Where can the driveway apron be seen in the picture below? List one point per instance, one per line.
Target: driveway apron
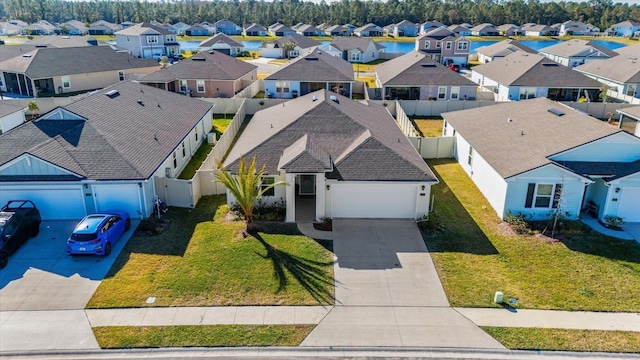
(388, 292)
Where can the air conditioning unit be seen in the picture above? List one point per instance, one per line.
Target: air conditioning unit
(168, 172)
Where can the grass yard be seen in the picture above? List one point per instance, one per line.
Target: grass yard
(126, 337)
(475, 256)
(196, 161)
(200, 259)
(368, 67)
(278, 62)
(429, 127)
(221, 123)
(369, 80)
(566, 340)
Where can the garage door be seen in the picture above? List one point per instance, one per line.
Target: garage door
(630, 205)
(224, 51)
(373, 200)
(118, 197)
(54, 203)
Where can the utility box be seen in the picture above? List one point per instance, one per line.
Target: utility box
(497, 298)
(211, 138)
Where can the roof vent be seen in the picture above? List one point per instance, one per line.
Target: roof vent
(199, 59)
(112, 93)
(311, 58)
(428, 65)
(26, 55)
(315, 98)
(509, 120)
(555, 112)
(549, 64)
(334, 99)
(65, 37)
(140, 102)
(40, 46)
(211, 52)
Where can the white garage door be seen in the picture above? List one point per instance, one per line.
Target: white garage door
(118, 197)
(54, 203)
(373, 200)
(630, 205)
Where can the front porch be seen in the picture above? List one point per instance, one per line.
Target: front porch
(305, 197)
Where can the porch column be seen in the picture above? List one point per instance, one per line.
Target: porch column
(291, 198)
(327, 86)
(320, 193)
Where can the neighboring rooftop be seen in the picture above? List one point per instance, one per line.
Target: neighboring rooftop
(315, 65)
(576, 47)
(415, 69)
(621, 68)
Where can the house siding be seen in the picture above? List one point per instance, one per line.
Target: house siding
(10, 121)
(98, 80)
(631, 182)
(619, 147)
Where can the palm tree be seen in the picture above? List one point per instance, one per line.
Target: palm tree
(34, 109)
(288, 47)
(246, 186)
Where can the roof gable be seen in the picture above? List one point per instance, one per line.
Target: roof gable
(414, 69)
(315, 65)
(621, 68)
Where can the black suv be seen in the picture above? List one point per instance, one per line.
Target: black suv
(19, 221)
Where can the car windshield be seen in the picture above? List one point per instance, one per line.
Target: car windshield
(90, 224)
(84, 236)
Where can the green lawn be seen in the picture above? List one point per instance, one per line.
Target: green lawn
(126, 337)
(475, 257)
(429, 127)
(196, 161)
(202, 260)
(221, 123)
(566, 340)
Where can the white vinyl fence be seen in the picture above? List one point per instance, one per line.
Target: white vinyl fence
(250, 91)
(434, 147)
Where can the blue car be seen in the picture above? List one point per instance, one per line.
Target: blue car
(97, 233)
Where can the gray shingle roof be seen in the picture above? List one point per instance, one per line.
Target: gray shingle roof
(315, 65)
(144, 28)
(301, 41)
(611, 170)
(414, 69)
(621, 68)
(629, 50)
(58, 41)
(368, 27)
(574, 47)
(74, 60)
(502, 144)
(220, 38)
(504, 48)
(120, 139)
(633, 111)
(206, 65)
(381, 152)
(350, 43)
(10, 51)
(524, 69)
(305, 156)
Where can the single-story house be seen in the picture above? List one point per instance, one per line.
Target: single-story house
(522, 76)
(309, 30)
(629, 120)
(335, 30)
(620, 73)
(10, 117)
(368, 30)
(571, 27)
(538, 30)
(102, 152)
(77, 69)
(72, 27)
(354, 49)
(227, 27)
(102, 27)
(42, 27)
(413, 76)
(7, 28)
(311, 71)
(278, 29)
(254, 30)
(485, 29)
(197, 30)
(460, 30)
(206, 74)
(576, 52)
(537, 157)
(508, 29)
(339, 157)
(222, 43)
(501, 49)
(182, 27)
(403, 28)
(626, 28)
(276, 49)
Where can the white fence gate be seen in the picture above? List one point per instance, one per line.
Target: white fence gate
(176, 192)
(434, 147)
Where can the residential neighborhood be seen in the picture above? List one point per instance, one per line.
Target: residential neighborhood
(369, 180)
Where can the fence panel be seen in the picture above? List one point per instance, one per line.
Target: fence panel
(434, 147)
(404, 122)
(251, 90)
(175, 192)
(208, 183)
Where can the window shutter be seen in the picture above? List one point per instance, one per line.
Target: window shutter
(530, 190)
(556, 196)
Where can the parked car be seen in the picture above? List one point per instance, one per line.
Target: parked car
(97, 233)
(454, 67)
(19, 221)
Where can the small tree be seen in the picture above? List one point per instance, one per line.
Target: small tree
(34, 109)
(164, 61)
(246, 186)
(288, 48)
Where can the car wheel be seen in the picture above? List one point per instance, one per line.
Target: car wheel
(107, 249)
(4, 259)
(127, 225)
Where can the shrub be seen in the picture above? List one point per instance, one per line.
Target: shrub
(263, 211)
(518, 223)
(151, 226)
(613, 221)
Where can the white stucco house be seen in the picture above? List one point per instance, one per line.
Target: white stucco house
(626, 28)
(575, 52)
(629, 120)
(354, 49)
(620, 73)
(102, 152)
(537, 156)
(10, 117)
(339, 157)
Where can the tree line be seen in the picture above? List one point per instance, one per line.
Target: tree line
(602, 13)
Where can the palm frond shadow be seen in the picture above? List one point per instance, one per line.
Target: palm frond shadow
(309, 273)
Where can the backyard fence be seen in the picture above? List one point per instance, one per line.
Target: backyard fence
(404, 122)
(597, 109)
(434, 147)
(251, 90)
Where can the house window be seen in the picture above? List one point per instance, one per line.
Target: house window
(266, 182)
(543, 196)
(184, 151)
(183, 85)
(455, 92)
(463, 45)
(196, 131)
(470, 158)
(282, 86)
(200, 86)
(152, 39)
(355, 57)
(438, 44)
(426, 44)
(631, 90)
(527, 93)
(175, 160)
(442, 92)
(66, 83)
(448, 46)
(121, 75)
(170, 38)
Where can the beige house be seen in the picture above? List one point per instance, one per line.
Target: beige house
(77, 69)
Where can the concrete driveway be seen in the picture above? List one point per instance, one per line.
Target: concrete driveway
(41, 277)
(388, 292)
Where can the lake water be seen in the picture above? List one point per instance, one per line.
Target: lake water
(405, 47)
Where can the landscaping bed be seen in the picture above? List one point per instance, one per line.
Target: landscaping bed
(475, 256)
(201, 259)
